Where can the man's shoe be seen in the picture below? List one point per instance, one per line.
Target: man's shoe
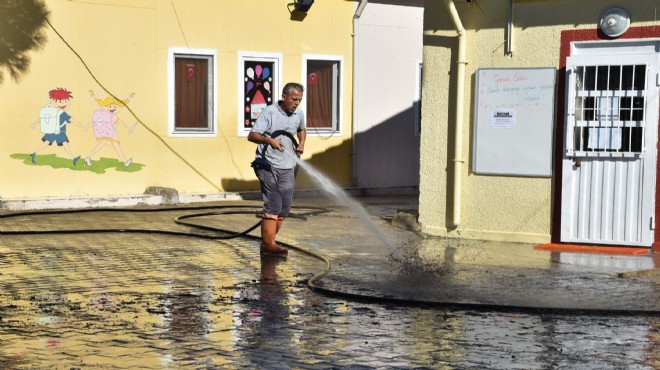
(75, 160)
(32, 157)
(273, 250)
(88, 161)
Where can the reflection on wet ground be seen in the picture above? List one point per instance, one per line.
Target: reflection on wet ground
(149, 301)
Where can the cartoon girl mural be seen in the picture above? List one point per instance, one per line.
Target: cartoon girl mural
(105, 121)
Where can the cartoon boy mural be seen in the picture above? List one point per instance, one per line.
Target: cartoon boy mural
(105, 121)
(53, 120)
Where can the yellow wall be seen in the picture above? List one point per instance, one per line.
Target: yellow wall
(492, 207)
(125, 44)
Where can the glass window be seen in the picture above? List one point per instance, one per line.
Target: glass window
(609, 108)
(192, 105)
(323, 94)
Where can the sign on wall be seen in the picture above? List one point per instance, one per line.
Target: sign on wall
(513, 121)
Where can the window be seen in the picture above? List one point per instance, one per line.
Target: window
(191, 92)
(609, 109)
(259, 80)
(322, 101)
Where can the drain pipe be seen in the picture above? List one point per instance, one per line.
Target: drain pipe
(458, 124)
(356, 58)
(509, 30)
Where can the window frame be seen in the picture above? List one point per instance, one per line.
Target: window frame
(211, 56)
(338, 128)
(417, 104)
(603, 124)
(276, 86)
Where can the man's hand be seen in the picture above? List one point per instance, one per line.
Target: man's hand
(300, 149)
(276, 144)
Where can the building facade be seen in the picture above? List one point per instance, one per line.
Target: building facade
(540, 121)
(163, 93)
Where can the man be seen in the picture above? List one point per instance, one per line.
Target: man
(275, 161)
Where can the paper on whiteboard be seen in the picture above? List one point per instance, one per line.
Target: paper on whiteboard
(503, 118)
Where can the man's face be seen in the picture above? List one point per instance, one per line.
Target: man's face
(291, 101)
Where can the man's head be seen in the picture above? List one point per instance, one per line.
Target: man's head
(292, 95)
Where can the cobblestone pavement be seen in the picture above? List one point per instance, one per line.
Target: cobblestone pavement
(152, 301)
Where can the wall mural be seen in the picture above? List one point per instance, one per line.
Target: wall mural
(105, 121)
(53, 121)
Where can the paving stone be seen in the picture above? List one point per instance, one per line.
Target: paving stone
(148, 301)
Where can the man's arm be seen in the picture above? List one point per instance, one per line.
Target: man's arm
(302, 136)
(258, 138)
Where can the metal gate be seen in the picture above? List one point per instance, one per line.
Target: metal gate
(609, 162)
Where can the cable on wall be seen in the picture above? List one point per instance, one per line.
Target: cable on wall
(185, 39)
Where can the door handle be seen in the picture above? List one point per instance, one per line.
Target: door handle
(578, 164)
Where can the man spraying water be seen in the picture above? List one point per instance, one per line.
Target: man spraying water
(275, 163)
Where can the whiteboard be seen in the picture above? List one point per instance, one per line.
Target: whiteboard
(514, 121)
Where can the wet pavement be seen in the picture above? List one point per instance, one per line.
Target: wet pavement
(125, 300)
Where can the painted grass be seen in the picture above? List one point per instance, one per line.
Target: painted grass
(98, 166)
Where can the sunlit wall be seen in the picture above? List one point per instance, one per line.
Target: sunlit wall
(124, 46)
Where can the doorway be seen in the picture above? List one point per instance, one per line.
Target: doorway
(610, 140)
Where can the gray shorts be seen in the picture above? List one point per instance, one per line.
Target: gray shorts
(277, 190)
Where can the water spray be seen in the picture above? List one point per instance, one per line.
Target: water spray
(334, 190)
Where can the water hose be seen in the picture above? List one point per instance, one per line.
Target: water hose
(216, 233)
(273, 135)
(312, 283)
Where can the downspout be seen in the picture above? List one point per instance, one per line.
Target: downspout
(509, 30)
(458, 124)
(356, 58)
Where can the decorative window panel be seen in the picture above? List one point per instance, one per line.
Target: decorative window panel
(258, 87)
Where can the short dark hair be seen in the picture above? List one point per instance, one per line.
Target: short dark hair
(292, 86)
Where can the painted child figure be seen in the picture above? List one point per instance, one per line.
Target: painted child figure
(105, 121)
(53, 120)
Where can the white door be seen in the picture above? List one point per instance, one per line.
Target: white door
(609, 163)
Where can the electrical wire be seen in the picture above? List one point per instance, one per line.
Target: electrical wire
(185, 39)
(319, 134)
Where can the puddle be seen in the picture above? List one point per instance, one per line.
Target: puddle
(156, 302)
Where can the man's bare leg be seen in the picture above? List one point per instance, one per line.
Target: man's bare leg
(269, 228)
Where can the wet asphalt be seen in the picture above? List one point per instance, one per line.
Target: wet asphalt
(146, 300)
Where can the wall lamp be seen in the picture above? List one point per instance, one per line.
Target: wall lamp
(300, 5)
(615, 22)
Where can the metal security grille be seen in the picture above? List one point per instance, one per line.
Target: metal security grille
(609, 108)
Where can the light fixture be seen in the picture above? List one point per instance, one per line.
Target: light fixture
(301, 5)
(615, 22)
